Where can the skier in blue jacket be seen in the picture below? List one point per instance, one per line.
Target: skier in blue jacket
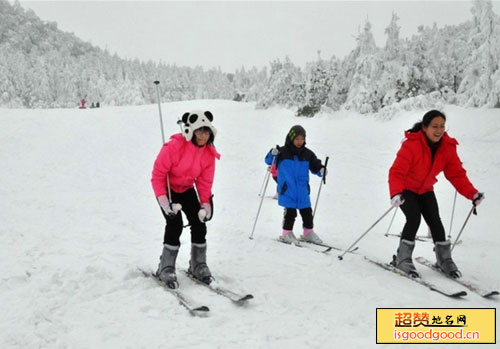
(294, 161)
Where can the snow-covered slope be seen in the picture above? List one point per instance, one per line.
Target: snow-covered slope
(78, 216)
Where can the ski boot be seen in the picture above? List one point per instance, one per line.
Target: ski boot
(288, 237)
(166, 268)
(310, 236)
(198, 264)
(403, 260)
(444, 261)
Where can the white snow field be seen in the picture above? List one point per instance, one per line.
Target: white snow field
(78, 217)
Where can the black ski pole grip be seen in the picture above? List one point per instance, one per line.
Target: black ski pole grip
(324, 175)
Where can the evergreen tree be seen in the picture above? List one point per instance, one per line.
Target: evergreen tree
(364, 95)
(392, 69)
(338, 85)
(318, 86)
(478, 87)
(285, 85)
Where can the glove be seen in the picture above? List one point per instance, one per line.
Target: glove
(323, 171)
(205, 213)
(170, 209)
(275, 151)
(397, 200)
(478, 198)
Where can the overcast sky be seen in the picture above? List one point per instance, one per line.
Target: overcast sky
(231, 34)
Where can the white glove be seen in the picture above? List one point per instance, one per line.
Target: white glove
(275, 151)
(205, 213)
(323, 171)
(478, 198)
(397, 200)
(169, 209)
(172, 209)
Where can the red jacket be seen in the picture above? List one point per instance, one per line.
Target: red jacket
(414, 169)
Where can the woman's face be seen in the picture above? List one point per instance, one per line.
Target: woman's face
(298, 141)
(202, 136)
(435, 130)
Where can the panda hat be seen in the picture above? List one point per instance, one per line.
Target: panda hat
(194, 120)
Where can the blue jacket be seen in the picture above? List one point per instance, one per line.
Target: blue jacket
(293, 166)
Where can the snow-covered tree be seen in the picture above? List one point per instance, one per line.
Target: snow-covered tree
(318, 85)
(338, 85)
(392, 69)
(364, 95)
(42, 66)
(478, 87)
(285, 85)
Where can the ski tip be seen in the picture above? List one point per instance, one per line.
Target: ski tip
(491, 294)
(202, 308)
(354, 249)
(245, 298)
(459, 294)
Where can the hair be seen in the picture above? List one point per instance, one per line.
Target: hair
(210, 139)
(426, 120)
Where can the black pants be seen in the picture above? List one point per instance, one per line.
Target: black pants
(190, 206)
(290, 214)
(417, 206)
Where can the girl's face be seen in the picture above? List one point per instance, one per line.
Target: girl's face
(435, 130)
(298, 142)
(202, 136)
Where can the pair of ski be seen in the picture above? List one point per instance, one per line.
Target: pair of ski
(304, 243)
(469, 285)
(189, 305)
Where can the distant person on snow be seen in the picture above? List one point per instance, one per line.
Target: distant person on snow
(294, 161)
(426, 151)
(82, 104)
(185, 162)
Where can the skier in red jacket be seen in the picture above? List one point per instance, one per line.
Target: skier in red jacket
(426, 151)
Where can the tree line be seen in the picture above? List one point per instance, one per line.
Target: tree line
(43, 67)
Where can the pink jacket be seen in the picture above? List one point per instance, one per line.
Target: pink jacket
(187, 165)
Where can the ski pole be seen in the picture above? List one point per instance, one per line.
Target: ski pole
(390, 225)
(473, 209)
(366, 232)
(157, 83)
(266, 181)
(452, 214)
(169, 191)
(323, 180)
(263, 182)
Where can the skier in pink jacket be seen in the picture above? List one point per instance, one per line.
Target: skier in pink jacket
(184, 163)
